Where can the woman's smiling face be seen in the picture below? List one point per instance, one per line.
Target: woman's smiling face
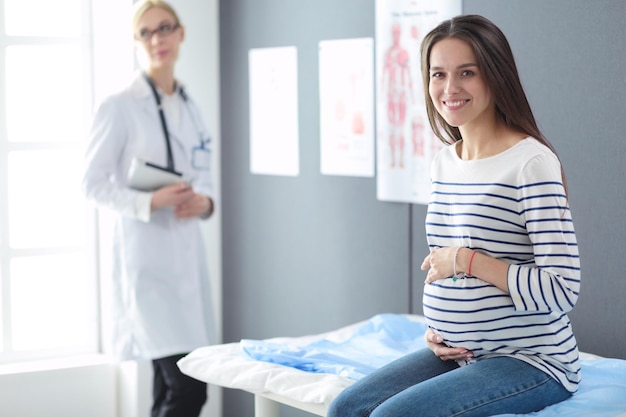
(456, 86)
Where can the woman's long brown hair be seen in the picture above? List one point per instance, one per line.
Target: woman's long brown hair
(497, 65)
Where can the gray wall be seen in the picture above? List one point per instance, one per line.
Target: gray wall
(307, 254)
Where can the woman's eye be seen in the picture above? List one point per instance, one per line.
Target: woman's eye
(436, 75)
(165, 28)
(144, 33)
(467, 73)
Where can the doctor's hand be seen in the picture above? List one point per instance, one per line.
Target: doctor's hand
(171, 196)
(196, 206)
(443, 352)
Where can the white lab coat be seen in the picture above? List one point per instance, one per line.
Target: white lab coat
(161, 297)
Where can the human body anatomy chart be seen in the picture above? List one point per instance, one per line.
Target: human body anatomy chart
(405, 143)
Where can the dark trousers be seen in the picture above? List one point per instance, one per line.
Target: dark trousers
(174, 393)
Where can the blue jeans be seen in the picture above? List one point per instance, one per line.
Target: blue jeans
(422, 385)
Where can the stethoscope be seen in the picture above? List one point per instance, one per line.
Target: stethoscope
(166, 133)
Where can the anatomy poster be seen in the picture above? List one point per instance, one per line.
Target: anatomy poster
(274, 140)
(346, 74)
(404, 141)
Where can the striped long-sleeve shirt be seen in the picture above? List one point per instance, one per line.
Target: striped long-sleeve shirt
(512, 207)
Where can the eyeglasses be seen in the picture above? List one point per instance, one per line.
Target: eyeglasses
(164, 30)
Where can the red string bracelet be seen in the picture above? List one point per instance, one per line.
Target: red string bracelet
(469, 268)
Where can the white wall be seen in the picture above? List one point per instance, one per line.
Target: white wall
(90, 387)
(58, 390)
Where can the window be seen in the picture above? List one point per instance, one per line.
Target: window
(48, 285)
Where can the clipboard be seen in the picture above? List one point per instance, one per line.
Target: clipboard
(145, 176)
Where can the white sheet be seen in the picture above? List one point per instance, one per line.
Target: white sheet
(228, 366)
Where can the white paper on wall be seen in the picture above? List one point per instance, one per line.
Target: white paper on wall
(346, 77)
(274, 137)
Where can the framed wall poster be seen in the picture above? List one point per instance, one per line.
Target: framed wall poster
(347, 107)
(405, 144)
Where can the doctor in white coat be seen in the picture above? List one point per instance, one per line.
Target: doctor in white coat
(160, 278)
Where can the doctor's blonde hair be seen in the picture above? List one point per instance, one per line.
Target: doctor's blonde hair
(143, 6)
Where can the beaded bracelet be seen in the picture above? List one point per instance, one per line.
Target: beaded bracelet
(459, 275)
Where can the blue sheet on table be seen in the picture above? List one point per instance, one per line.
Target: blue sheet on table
(376, 342)
(386, 337)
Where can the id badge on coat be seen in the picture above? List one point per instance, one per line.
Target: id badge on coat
(201, 158)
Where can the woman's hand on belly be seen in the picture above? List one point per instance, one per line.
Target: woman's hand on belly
(442, 351)
(440, 263)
